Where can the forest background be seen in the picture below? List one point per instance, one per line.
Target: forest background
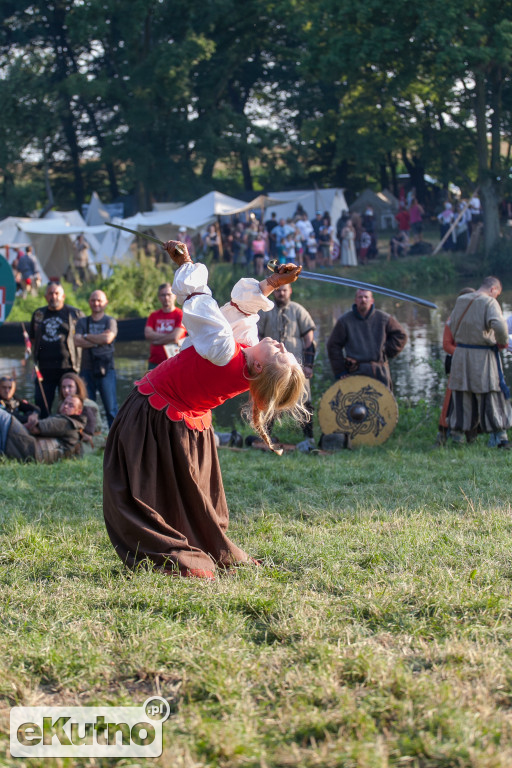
(164, 100)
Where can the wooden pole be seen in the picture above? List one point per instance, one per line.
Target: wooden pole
(452, 227)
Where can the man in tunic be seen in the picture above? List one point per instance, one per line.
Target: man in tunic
(480, 397)
(292, 325)
(364, 339)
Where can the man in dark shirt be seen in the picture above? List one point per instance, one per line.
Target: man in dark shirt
(52, 331)
(95, 335)
(363, 340)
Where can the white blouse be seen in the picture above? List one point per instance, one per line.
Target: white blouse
(213, 331)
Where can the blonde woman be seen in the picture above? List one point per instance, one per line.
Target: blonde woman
(163, 497)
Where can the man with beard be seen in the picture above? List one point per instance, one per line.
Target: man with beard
(292, 325)
(364, 339)
(52, 332)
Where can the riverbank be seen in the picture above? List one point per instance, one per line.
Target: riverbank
(376, 633)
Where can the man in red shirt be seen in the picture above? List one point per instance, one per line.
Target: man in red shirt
(403, 218)
(164, 328)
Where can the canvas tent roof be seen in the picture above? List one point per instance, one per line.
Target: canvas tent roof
(194, 216)
(381, 202)
(11, 234)
(384, 205)
(330, 199)
(52, 238)
(96, 212)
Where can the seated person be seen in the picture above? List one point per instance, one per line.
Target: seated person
(21, 409)
(46, 440)
(399, 245)
(72, 384)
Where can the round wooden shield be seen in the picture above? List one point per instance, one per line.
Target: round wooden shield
(361, 407)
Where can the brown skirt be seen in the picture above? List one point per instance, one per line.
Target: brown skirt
(163, 497)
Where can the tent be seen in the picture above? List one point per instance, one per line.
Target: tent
(52, 239)
(330, 200)
(384, 205)
(196, 215)
(96, 213)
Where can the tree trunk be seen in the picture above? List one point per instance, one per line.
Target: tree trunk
(488, 190)
(384, 177)
(49, 192)
(392, 169)
(246, 171)
(490, 205)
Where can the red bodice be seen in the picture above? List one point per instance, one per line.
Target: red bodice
(188, 386)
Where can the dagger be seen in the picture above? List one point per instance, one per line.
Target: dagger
(274, 267)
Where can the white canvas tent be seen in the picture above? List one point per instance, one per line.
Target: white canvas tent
(52, 239)
(330, 199)
(165, 221)
(96, 212)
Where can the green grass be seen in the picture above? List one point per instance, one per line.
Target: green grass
(377, 632)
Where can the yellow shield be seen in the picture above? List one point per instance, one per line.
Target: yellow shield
(361, 407)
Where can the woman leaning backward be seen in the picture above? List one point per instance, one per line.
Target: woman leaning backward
(163, 497)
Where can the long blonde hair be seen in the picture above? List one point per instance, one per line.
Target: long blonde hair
(279, 388)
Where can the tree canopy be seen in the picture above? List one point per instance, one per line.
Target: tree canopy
(162, 99)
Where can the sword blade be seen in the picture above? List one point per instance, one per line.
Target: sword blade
(367, 287)
(136, 232)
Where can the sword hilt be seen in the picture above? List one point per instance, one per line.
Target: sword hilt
(273, 265)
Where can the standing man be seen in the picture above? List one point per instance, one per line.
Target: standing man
(80, 261)
(52, 332)
(164, 327)
(480, 397)
(305, 228)
(292, 325)
(270, 225)
(95, 335)
(27, 266)
(364, 339)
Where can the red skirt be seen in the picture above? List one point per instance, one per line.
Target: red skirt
(163, 497)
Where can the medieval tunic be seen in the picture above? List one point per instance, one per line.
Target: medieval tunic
(477, 400)
(370, 340)
(288, 325)
(163, 497)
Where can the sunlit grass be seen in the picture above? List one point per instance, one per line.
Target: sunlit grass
(377, 632)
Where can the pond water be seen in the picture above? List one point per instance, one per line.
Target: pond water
(418, 373)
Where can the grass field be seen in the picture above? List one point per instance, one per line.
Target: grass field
(377, 632)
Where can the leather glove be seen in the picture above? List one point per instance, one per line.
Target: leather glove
(287, 273)
(178, 252)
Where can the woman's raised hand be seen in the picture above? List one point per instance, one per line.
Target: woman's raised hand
(287, 273)
(177, 251)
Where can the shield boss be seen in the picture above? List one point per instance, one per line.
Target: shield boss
(361, 407)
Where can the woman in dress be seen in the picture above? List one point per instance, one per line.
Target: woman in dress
(348, 245)
(163, 498)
